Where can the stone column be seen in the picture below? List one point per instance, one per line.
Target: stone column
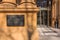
(30, 19)
(40, 18)
(53, 13)
(43, 18)
(30, 26)
(48, 17)
(34, 20)
(59, 14)
(12, 1)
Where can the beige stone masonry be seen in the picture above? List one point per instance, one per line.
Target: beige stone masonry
(29, 10)
(11, 1)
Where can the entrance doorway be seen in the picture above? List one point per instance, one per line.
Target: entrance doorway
(44, 18)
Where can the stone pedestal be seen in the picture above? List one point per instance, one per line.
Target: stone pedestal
(21, 32)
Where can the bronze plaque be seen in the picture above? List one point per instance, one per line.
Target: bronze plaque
(15, 20)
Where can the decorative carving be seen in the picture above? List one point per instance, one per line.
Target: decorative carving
(11, 1)
(7, 5)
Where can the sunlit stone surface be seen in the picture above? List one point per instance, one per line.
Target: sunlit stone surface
(18, 32)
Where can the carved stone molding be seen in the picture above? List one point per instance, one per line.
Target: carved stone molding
(12, 1)
(7, 5)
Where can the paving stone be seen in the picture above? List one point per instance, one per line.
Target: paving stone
(46, 33)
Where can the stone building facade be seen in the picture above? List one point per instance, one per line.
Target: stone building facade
(18, 20)
(56, 12)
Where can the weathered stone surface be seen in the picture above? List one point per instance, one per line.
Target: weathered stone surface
(17, 35)
(13, 34)
(7, 5)
(11, 1)
(18, 32)
(35, 35)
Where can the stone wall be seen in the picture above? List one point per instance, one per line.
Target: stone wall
(21, 32)
(17, 34)
(13, 34)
